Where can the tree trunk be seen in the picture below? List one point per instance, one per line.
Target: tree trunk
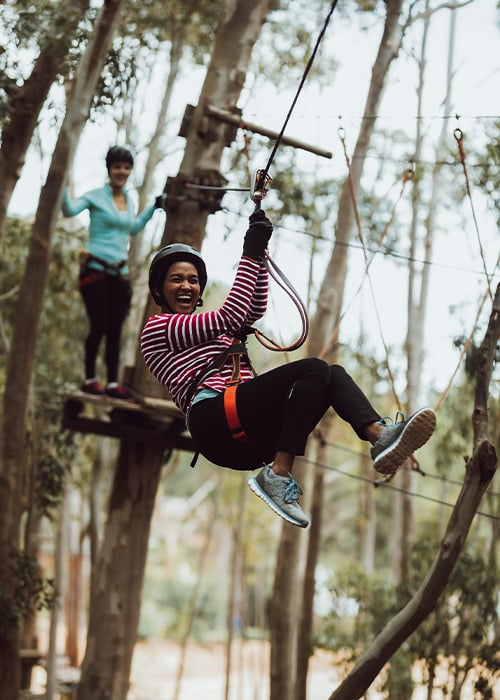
(329, 306)
(117, 579)
(109, 650)
(27, 101)
(283, 617)
(20, 359)
(480, 469)
(304, 645)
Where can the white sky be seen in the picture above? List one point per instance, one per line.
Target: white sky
(455, 278)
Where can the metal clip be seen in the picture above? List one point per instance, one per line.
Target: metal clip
(259, 187)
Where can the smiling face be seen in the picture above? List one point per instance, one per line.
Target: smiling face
(181, 287)
(118, 174)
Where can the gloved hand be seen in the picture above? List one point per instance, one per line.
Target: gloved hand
(161, 200)
(258, 235)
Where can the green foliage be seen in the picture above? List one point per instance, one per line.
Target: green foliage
(462, 627)
(59, 353)
(31, 592)
(28, 29)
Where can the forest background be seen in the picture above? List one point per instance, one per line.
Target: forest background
(71, 475)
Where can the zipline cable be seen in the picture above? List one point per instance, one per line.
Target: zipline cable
(301, 84)
(458, 134)
(260, 184)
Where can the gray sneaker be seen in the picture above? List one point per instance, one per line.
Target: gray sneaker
(281, 494)
(401, 438)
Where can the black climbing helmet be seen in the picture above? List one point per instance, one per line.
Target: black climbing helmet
(118, 154)
(166, 257)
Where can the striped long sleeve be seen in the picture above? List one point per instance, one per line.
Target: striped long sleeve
(178, 348)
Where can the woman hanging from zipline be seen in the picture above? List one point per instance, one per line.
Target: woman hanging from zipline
(242, 421)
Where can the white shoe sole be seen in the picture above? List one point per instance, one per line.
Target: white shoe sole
(258, 491)
(415, 434)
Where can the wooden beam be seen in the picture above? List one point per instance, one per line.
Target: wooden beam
(128, 431)
(224, 116)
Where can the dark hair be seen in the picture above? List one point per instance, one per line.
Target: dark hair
(166, 257)
(118, 154)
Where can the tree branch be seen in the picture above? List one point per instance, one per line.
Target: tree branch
(479, 471)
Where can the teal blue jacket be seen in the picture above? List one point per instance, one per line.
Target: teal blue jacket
(109, 227)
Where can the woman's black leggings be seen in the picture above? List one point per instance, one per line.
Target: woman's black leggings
(278, 410)
(107, 301)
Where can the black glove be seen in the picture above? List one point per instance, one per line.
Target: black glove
(160, 201)
(258, 235)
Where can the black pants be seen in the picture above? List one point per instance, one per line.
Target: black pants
(278, 410)
(107, 302)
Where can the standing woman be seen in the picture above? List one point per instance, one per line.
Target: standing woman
(241, 421)
(103, 280)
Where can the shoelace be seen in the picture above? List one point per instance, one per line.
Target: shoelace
(292, 490)
(387, 420)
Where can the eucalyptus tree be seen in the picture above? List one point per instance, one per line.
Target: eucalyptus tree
(14, 424)
(48, 31)
(117, 584)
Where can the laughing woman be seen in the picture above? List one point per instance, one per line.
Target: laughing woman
(239, 420)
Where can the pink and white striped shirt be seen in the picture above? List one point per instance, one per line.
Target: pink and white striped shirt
(179, 348)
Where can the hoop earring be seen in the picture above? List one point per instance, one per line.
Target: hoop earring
(199, 302)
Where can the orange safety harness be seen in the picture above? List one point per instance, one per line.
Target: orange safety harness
(235, 352)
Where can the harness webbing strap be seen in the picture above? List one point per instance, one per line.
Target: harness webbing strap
(233, 420)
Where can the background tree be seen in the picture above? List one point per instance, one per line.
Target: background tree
(20, 359)
(120, 569)
(53, 27)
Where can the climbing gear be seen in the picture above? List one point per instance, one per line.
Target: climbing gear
(236, 351)
(233, 420)
(400, 438)
(281, 494)
(282, 281)
(259, 185)
(86, 257)
(162, 261)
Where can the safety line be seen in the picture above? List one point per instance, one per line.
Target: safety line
(464, 349)
(458, 134)
(368, 276)
(301, 84)
(374, 251)
(399, 489)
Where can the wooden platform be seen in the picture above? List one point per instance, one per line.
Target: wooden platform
(156, 421)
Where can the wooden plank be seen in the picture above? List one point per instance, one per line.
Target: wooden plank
(141, 404)
(129, 431)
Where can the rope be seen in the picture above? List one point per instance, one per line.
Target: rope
(367, 273)
(464, 350)
(294, 101)
(259, 188)
(458, 134)
(287, 286)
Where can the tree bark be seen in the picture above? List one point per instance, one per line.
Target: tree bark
(110, 644)
(331, 293)
(479, 471)
(28, 99)
(20, 359)
(117, 580)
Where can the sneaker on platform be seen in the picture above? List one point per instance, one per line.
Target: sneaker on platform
(400, 439)
(281, 493)
(115, 391)
(92, 386)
